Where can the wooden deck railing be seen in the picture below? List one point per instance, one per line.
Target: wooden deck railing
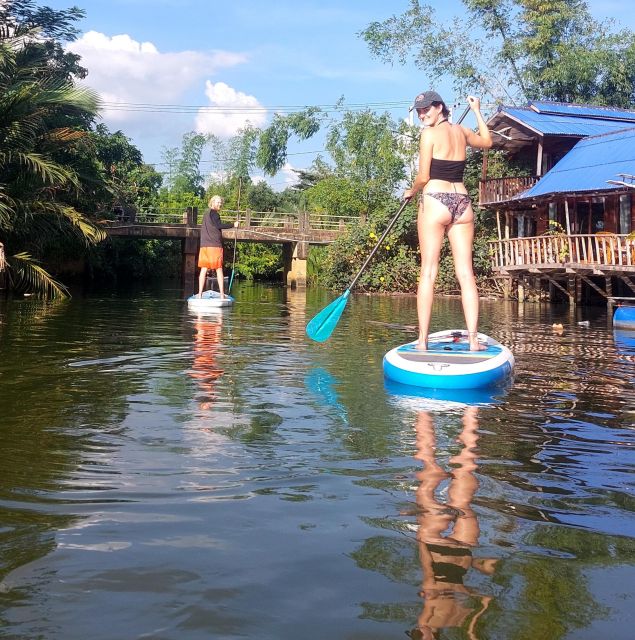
(596, 250)
(502, 189)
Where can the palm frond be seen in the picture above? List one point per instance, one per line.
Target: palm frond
(46, 169)
(68, 95)
(47, 218)
(91, 232)
(27, 275)
(7, 207)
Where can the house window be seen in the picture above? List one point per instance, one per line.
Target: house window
(625, 213)
(553, 210)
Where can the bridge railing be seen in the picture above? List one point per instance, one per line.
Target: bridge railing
(331, 222)
(284, 220)
(163, 216)
(277, 219)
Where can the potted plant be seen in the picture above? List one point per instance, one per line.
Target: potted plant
(561, 245)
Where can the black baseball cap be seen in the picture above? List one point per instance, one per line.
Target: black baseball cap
(425, 99)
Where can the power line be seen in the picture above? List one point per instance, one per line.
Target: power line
(220, 163)
(244, 109)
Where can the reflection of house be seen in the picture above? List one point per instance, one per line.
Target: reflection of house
(571, 224)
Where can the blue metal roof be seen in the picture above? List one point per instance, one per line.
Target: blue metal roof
(588, 166)
(583, 110)
(564, 125)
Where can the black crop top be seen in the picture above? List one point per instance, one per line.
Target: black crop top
(450, 170)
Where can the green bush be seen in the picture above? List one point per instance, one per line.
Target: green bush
(446, 279)
(257, 261)
(316, 264)
(393, 268)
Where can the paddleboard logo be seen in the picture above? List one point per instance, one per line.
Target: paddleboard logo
(438, 366)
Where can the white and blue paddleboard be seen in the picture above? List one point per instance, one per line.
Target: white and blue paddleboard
(448, 362)
(209, 300)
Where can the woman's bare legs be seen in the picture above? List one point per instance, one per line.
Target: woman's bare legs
(461, 236)
(464, 483)
(431, 229)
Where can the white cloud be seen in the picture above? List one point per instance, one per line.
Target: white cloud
(230, 110)
(285, 178)
(289, 176)
(126, 72)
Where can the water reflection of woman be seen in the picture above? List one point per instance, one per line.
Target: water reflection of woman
(448, 532)
(207, 331)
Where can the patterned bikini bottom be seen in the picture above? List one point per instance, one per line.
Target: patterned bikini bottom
(456, 203)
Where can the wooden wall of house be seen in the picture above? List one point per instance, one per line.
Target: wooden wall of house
(542, 219)
(577, 207)
(611, 213)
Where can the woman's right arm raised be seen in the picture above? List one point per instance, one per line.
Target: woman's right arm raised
(482, 139)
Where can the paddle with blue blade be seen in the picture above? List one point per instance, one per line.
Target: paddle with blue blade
(323, 324)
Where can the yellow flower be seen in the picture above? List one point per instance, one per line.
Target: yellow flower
(387, 247)
(381, 278)
(372, 234)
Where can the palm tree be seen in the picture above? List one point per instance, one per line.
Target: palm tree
(43, 118)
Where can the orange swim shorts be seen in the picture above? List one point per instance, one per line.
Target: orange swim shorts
(210, 257)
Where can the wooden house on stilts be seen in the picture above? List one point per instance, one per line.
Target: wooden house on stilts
(567, 231)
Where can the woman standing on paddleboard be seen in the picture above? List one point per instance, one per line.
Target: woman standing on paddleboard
(445, 206)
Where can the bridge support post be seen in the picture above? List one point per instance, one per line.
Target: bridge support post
(295, 256)
(189, 249)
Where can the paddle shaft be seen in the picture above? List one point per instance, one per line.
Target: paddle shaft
(462, 117)
(391, 224)
(233, 262)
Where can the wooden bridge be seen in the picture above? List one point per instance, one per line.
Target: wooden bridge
(295, 231)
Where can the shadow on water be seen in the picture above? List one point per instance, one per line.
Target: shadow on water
(174, 475)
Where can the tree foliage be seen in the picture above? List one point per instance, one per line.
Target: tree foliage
(393, 268)
(42, 32)
(59, 173)
(515, 50)
(41, 118)
(366, 149)
(371, 155)
(184, 174)
(272, 144)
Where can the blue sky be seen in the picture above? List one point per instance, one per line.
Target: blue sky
(266, 55)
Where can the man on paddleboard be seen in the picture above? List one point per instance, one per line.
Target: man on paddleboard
(210, 255)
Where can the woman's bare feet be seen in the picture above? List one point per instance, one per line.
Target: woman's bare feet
(422, 344)
(475, 345)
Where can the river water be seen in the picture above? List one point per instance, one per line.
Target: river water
(169, 475)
